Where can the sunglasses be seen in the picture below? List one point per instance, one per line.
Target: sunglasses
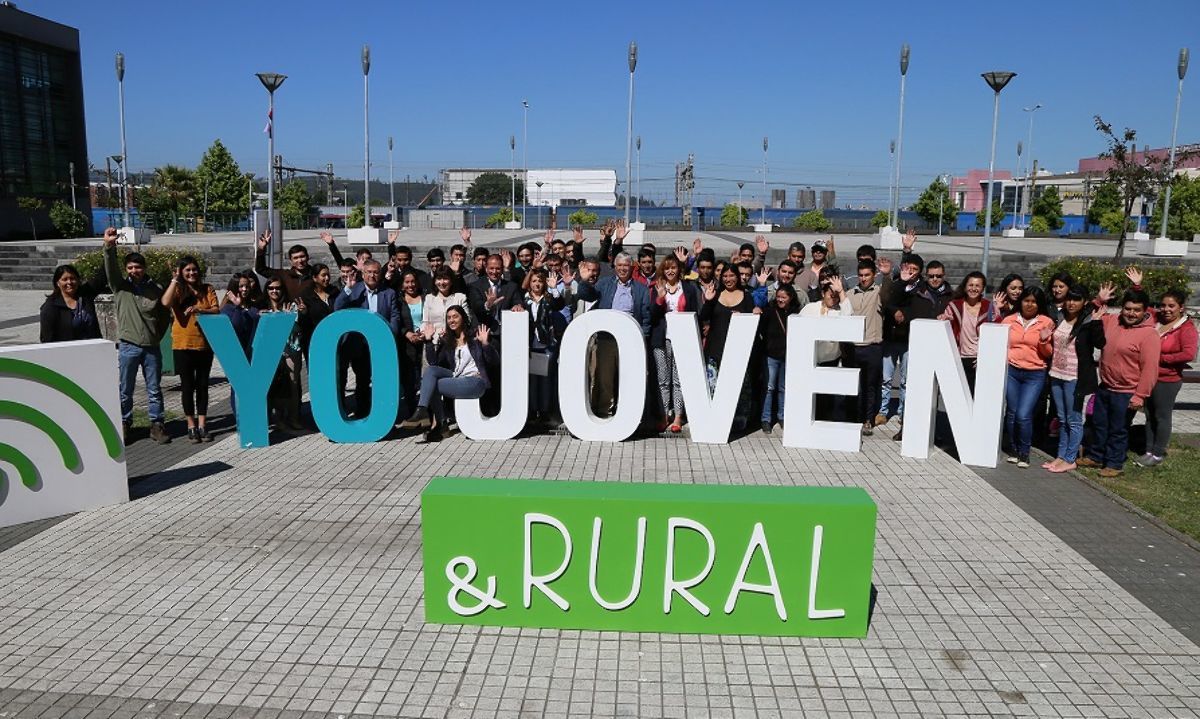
(935, 277)
(274, 289)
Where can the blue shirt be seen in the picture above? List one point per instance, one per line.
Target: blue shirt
(623, 297)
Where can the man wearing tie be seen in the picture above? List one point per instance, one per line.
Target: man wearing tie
(369, 294)
(493, 294)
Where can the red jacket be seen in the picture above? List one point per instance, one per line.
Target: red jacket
(1129, 361)
(1178, 350)
(1026, 348)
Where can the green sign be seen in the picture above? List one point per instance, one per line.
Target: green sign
(712, 559)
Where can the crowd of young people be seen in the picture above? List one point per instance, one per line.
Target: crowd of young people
(1067, 348)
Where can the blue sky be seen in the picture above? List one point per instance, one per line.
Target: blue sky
(821, 79)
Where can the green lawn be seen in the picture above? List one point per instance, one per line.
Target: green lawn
(1170, 491)
(141, 418)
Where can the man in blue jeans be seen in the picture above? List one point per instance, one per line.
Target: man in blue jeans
(142, 320)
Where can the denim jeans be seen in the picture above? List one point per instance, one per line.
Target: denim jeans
(438, 383)
(775, 374)
(1021, 395)
(1070, 418)
(1110, 434)
(130, 357)
(895, 371)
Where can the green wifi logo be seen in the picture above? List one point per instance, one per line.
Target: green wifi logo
(27, 470)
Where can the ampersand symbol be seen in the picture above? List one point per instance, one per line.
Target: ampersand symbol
(463, 584)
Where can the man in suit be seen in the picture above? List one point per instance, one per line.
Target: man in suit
(620, 292)
(368, 294)
(493, 294)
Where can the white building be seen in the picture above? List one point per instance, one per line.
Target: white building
(456, 181)
(562, 186)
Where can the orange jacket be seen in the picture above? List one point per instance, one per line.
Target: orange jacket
(1026, 348)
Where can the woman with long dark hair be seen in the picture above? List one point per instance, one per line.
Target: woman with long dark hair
(1072, 373)
(1030, 332)
(461, 370)
(543, 309)
(1007, 299)
(1178, 335)
(187, 297)
(772, 333)
(411, 341)
(284, 394)
(69, 312)
(318, 299)
(718, 311)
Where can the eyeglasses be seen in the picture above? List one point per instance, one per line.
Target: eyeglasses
(935, 277)
(274, 289)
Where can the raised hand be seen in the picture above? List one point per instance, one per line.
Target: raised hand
(681, 254)
(552, 279)
(327, 238)
(838, 287)
(427, 330)
(263, 240)
(761, 243)
(697, 246)
(465, 235)
(539, 258)
(567, 275)
(482, 334)
(1106, 293)
(910, 239)
(491, 299)
(393, 235)
(507, 256)
(455, 264)
(548, 238)
(1134, 275)
(1000, 299)
(352, 279)
(885, 265)
(300, 307)
(710, 292)
(907, 273)
(764, 275)
(621, 231)
(110, 237)
(577, 234)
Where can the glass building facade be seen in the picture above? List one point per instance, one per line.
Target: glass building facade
(42, 130)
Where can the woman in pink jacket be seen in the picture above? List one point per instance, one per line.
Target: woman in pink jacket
(1030, 334)
(1179, 341)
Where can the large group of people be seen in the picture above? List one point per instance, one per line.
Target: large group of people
(1070, 355)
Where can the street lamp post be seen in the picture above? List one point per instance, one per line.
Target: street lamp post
(740, 184)
(1182, 69)
(525, 163)
(941, 202)
(1015, 193)
(124, 151)
(629, 130)
(512, 203)
(271, 81)
(996, 80)
(366, 68)
(1029, 160)
(638, 216)
(765, 195)
(391, 181)
(891, 177)
(895, 208)
(539, 184)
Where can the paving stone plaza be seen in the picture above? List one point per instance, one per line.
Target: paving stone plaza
(286, 582)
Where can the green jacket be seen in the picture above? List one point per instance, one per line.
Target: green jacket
(141, 317)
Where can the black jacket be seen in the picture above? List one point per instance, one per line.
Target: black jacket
(510, 296)
(545, 325)
(58, 320)
(913, 302)
(772, 331)
(485, 356)
(315, 310)
(1089, 337)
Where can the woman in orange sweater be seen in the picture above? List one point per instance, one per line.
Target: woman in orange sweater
(188, 297)
(1030, 345)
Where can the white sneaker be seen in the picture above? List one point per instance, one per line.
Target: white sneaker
(1012, 459)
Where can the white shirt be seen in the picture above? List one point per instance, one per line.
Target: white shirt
(464, 363)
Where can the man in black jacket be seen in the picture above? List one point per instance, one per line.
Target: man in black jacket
(492, 295)
(910, 300)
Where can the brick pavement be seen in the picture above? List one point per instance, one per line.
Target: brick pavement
(289, 584)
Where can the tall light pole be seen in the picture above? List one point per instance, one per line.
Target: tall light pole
(124, 151)
(895, 209)
(271, 81)
(996, 80)
(629, 131)
(765, 196)
(638, 216)
(1182, 69)
(366, 68)
(1015, 193)
(941, 202)
(525, 163)
(891, 177)
(740, 183)
(539, 184)
(512, 145)
(391, 181)
(1029, 159)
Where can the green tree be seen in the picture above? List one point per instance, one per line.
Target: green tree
(219, 172)
(933, 199)
(30, 206)
(997, 216)
(734, 216)
(173, 190)
(295, 203)
(494, 188)
(1185, 208)
(1133, 177)
(498, 218)
(357, 214)
(1112, 220)
(813, 221)
(583, 218)
(1106, 198)
(1038, 226)
(67, 220)
(880, 219)
(1048, 205)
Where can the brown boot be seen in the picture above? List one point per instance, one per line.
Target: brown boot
(1111, 472)
(1088, 462)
